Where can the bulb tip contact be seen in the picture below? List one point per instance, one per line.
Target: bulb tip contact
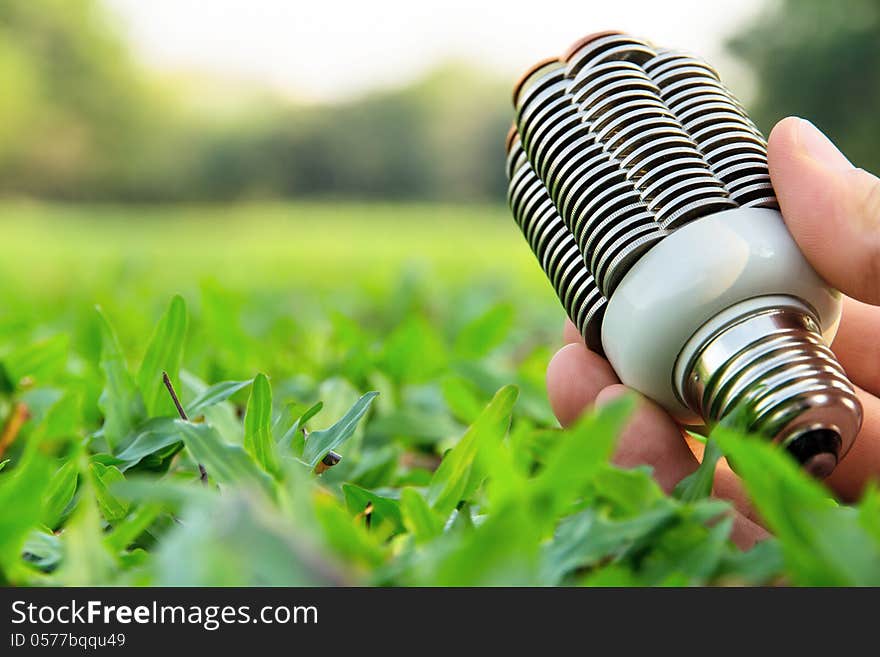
(821, 465)
(816, 450)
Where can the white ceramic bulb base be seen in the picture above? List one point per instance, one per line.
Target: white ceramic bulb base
(704, 278)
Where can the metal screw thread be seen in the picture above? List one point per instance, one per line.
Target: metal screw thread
(774, 370)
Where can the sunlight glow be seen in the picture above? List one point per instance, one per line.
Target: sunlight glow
(332, 49)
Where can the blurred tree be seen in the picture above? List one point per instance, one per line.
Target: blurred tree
(819, 60)
(75, 109)
(438, 139)
(80, 120)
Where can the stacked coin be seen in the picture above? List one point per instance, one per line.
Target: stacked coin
(614, 146)
(554, 246)
(732, 145)
(635, 126)
(608, 218)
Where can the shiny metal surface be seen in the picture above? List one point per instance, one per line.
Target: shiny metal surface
(616, 146)
(554, 247)
(718, 124)
(625, 108)
(611, 46)
(585, 183)
(632, 142)
(774, 370)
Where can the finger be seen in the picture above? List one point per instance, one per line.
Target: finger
(651, 437)
(575, 379)
(570, 334)
(727, 485)
(746, 533)
(856, 345)
(575, 376)
(862, 463)
(831, 208)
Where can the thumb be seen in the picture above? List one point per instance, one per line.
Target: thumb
(831, 208)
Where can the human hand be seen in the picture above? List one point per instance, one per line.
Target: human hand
(833, 211)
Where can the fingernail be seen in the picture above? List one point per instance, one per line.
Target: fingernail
(609, 394)
(819, 148)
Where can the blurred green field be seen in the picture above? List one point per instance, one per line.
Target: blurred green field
(285, 268)
(72, 250)
(412, 341)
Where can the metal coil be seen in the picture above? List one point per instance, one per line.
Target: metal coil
(633, 124)
(587, 185)
(614, 147)
(624, 143)
(731, 143)
(774, 363)
(596, 49)
(554, 247)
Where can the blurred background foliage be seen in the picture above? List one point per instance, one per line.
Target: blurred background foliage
(283, 229)
(80, 119)
(819, 60)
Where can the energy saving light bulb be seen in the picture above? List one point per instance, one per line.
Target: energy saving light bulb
(642, 187)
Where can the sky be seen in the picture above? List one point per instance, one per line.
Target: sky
(326, 50)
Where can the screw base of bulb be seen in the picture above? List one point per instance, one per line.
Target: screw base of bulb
(771, 373)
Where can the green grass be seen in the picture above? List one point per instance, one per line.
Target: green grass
(409, 340)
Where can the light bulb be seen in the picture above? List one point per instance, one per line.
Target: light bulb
(642, 187)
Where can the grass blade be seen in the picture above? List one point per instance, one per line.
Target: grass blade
(120, 400)
(227, 464)
(484, 333)
(216, 394)
(59, 493)
(698, 484)
(460, 473)
(579, 456)
(103, 478)
(381, 508)
(21, 500)
(164, 353)
(258, 426)
(154, 435)
(321, 442)
(419, 518)
(823, 544)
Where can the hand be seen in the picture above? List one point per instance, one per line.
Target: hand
(833, 211)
